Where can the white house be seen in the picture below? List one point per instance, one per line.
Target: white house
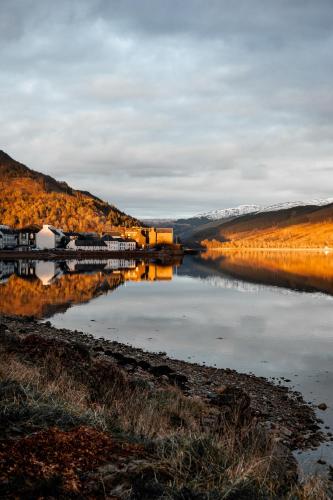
(107, 243)
(116, 244)
(111, 243)
(8, 237)
(49, 237)
(127, 244)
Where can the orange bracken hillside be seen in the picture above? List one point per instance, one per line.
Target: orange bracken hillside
(29, 197)
(299, 227)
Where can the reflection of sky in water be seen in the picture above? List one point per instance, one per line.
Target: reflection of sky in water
(265, 331)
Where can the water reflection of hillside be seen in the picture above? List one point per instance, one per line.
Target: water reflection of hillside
(306, 271)
(37, 288)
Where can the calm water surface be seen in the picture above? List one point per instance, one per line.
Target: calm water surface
(266, 313)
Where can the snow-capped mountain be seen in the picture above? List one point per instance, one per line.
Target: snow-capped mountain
(290, 204)
(225, 213)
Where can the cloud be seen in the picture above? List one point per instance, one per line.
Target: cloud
(168, 108)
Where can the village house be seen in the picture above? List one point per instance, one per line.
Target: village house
(145, 237)
(49, 238)
(8, 238)
(90, 244)
(26, 237)
(117, 240)
(106, 243)
(116, 244)
(126, 244)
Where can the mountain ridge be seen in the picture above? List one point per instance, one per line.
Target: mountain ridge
(31, 197)
(300, 223)
(247, 209)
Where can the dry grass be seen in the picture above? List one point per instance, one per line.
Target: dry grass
(119, 405)
(224, 462)
(60, 386)
(313, 488)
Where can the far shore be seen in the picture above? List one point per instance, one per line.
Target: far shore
(269, 249)
(164, 254)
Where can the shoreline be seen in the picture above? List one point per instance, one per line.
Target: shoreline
(269, 249)
(281, 409)
(163, 255)
(85, 417)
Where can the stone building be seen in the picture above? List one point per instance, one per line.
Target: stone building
(145, 237)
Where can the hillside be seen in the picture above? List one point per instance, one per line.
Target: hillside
(297, 227)
(29, 197)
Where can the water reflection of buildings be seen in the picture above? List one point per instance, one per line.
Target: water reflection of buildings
(50, 271)
(41, 288)
(6, 270)
(130, 270)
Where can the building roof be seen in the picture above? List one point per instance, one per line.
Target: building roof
(72, 233)
(90, 243)
(164, 230)
(54, 231)
(107, 237)
(114, 233)
(29, 229)
(7, 230)
(89, 234)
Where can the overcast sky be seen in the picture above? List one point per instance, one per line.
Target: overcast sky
(169, 108)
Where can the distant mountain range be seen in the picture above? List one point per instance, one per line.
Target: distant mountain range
(226, 213)
(291, 224)
(29, 197)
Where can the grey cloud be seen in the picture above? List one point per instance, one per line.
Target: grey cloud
(255, 172)
(171, 107)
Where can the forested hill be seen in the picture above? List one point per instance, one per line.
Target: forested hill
(29, 197)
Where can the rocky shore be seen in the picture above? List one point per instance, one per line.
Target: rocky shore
(214, 399)
(284, 411)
